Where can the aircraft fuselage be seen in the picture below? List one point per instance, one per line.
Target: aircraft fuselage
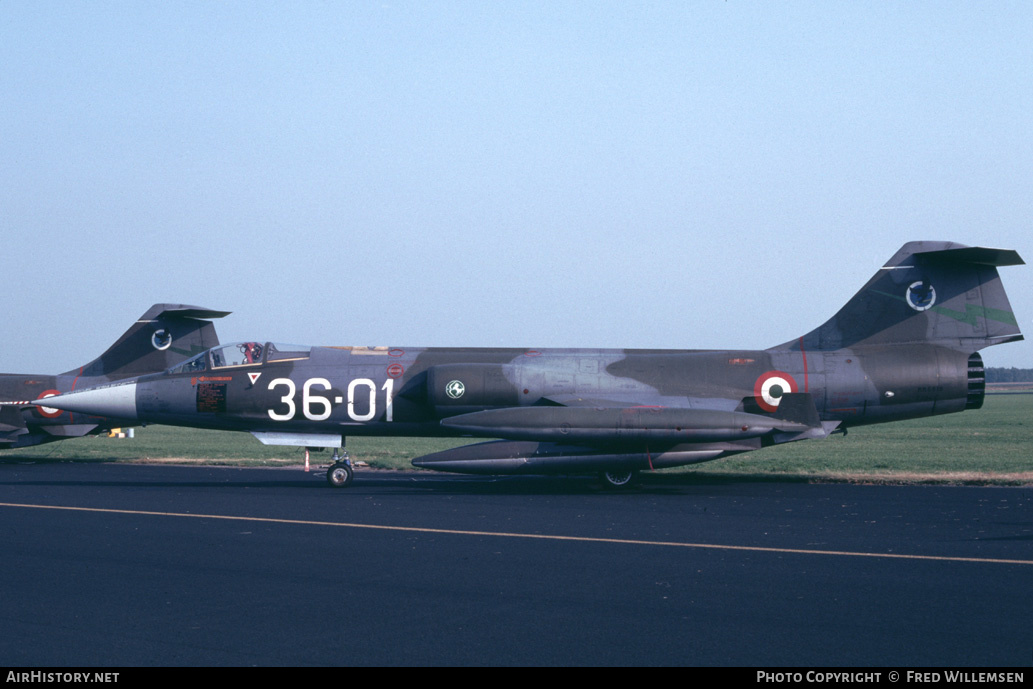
(905, 346)
(409, 391)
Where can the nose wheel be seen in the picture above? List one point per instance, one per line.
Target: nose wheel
(340, 473)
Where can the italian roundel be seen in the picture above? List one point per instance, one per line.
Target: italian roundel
(48, 412)
(770, 387)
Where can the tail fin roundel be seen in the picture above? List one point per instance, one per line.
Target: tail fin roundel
(929, 292)
(163, 336)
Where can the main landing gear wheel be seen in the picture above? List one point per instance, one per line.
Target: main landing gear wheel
(340, 475)
(619, 479)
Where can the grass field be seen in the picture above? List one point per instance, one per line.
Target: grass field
(991, 445)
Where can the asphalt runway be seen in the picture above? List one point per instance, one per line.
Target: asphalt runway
(121, 565)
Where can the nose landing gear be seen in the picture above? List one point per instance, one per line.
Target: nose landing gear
(340, 473)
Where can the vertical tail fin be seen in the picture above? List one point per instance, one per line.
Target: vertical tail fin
(937, 292)
(162, 337)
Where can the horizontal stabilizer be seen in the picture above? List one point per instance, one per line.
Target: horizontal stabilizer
(980, 255)
(181, 311)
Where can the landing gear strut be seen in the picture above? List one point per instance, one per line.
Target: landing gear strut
(340, 473)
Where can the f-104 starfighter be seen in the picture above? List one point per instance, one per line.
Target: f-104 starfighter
(905, 346)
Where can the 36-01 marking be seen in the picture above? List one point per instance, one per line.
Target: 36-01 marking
(316, 407)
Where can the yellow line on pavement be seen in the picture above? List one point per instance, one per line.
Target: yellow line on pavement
(543, 537)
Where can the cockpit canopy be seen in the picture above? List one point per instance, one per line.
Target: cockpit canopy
(242, 354)
(237, 354)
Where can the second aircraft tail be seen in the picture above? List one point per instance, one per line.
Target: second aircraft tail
(161, 338)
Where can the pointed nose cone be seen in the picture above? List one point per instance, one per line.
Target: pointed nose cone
(115, 401)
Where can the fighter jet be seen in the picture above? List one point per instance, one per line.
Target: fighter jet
(905, 346)
(165, 335)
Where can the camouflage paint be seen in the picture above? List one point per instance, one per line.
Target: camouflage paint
(904, 346)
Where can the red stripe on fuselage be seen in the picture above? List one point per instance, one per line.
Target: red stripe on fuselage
(804, 355)
(74, 383)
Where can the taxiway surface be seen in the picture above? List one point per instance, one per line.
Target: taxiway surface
(120, 565)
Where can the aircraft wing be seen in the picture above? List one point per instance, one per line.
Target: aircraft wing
(11, 424)
(15, 433)
(70, 430)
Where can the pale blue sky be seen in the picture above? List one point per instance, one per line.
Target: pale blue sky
(589, 174)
